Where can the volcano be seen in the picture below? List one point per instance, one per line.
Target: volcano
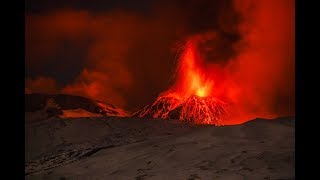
(195, 109)
(192, 98)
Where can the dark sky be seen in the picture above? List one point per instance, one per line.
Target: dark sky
(123, 49)
(141, 6)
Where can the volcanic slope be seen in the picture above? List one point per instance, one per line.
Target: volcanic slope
(194, 109)
(42, 106)
(134, 148)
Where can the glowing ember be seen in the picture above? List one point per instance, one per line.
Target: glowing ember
(191, 98)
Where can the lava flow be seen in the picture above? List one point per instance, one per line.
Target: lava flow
(191, 98)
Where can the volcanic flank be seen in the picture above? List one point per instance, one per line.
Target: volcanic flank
(195, 109)
(43, 106)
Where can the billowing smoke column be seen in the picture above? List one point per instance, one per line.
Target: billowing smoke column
(261, 75)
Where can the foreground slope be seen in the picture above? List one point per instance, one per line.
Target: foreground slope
(127, 148)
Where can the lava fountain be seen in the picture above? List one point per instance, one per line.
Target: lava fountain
(191, 98)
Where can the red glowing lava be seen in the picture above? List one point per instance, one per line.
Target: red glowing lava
(203, 110)
(191, 98)
(191, 78)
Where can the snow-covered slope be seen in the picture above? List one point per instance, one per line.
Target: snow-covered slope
(134, 148)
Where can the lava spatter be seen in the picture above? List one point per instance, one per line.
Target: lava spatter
(159, 109)
(203, 110)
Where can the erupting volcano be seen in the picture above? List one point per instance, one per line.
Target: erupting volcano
(192, 97)
(194, 89)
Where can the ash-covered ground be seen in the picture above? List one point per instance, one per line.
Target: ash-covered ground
(134, 148)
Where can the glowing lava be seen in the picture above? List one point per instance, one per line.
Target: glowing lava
(160, 108)
(191, 98)
(206, 110)
(191, 77)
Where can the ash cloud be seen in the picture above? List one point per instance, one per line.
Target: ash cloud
(264, 67)
(258, 80)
